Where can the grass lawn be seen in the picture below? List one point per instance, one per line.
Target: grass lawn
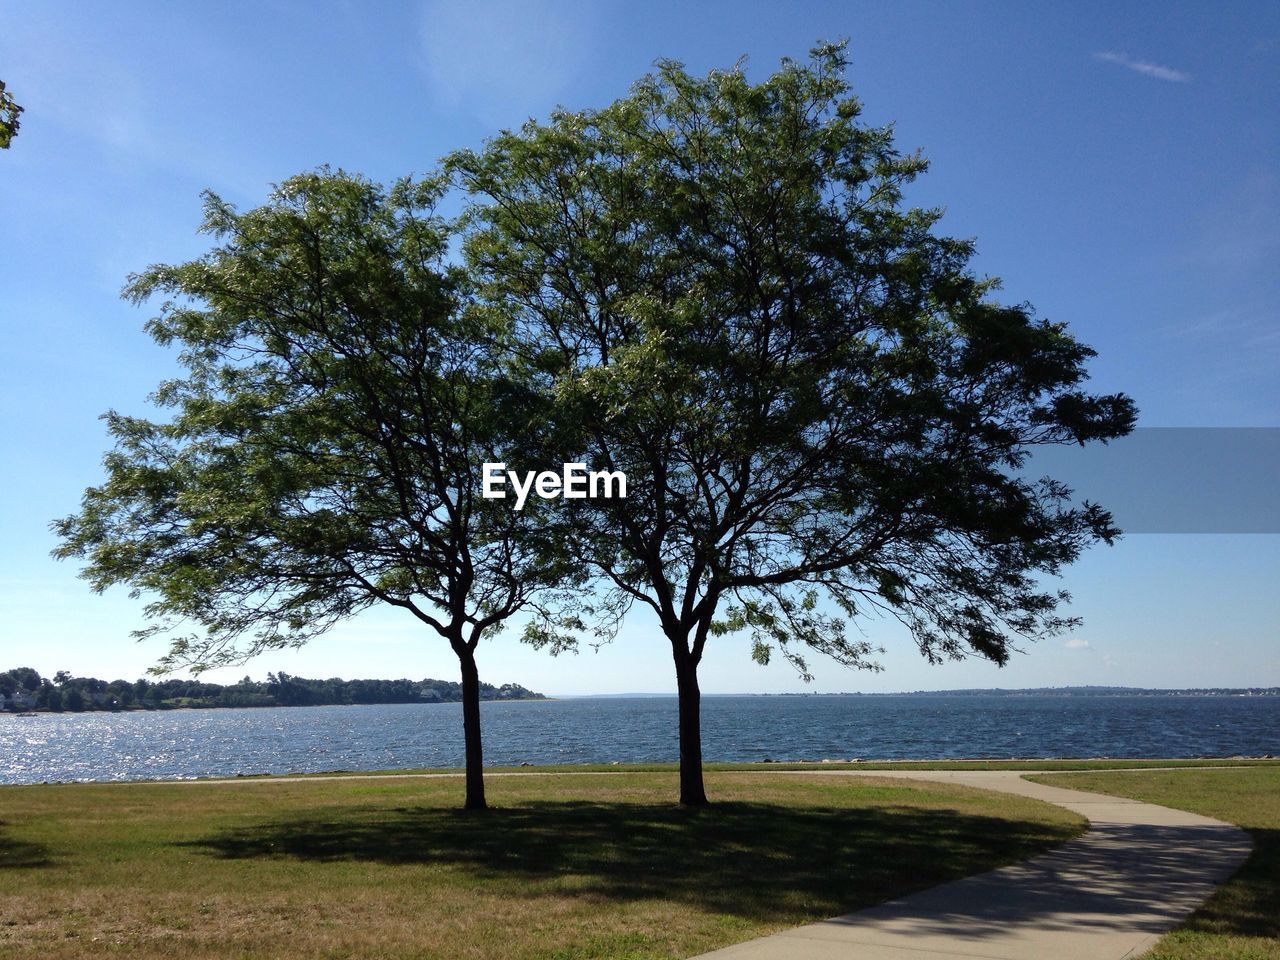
(564, 867)
(773, 767)
(1242, 920)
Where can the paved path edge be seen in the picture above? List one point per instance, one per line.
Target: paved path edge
(1109, 894)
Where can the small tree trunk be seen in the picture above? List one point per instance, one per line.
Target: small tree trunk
(471, 728)
(692, 792)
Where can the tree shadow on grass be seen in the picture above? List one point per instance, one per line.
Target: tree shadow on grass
(757, 860)
(1248, 906)
(19, 854)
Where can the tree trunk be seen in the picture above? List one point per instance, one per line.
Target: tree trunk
(471, 729)
(692, 792)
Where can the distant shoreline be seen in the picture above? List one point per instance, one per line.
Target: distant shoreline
(187, 707)
(513, 693)
(1085, 691)
(23, 690)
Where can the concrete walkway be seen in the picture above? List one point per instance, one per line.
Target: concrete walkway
(1107, 895)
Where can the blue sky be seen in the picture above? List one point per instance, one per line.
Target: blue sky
(1118, 167)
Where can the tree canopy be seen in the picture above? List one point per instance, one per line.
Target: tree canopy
(9, 113)
(323, 449)
(714, 286)
(823, 409)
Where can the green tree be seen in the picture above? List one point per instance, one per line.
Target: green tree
(819, 407)
(120, 693)
(324, 450)
(9, 113)
(26, 678)
(53, 700)
(71, 697)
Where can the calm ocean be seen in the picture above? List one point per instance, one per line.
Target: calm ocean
(201, 743)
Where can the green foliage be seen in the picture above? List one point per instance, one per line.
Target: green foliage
(9, 113)
(280, 689)
(323, 447)
(820, 406)
(20, 679)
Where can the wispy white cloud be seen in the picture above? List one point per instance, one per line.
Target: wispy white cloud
(503, 60)
(1232, 246)
(1240, 226)
(1144, 67)
(1076, 643)
(104, 97)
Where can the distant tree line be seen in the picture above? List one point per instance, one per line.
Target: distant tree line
(25, 689)
(1097, 691)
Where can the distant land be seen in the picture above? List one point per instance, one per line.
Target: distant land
(1088, 691)
(23, 690)
(1085, 691)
